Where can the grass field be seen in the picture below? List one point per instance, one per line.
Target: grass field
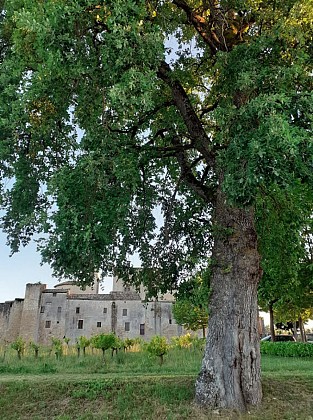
(134, 386)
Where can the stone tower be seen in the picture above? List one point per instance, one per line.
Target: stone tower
(29, 319)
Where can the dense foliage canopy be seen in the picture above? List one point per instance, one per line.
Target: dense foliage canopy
(98, 146)
(167, 129)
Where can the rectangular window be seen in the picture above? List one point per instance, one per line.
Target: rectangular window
(77, 310)
(54, 294)
(42, 309)
(170, 321)
(127, 326)
(142, 329)
(124, 312)
(98, 324)
(59, 309)
(105, 310)
(80, 324)
(48, 324)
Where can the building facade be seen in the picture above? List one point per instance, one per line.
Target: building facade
(68, 311)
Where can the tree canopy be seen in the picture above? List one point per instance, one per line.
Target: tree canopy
(115, 112)
(151, 132)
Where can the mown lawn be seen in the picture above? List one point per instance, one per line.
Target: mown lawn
(134, 386)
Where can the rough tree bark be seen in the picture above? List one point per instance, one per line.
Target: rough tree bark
(230, 373)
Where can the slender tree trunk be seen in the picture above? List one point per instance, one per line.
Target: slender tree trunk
(272, 329)
(230, 373)
(295, 332)
(302, 330)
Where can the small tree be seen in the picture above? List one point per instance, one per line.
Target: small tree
(57, 347)
(128, 343)
(77, 348)
(158, 347)
(117, 345)
(19, 345)
(103, 341)
(34, 347)
(82, 343)
(66, 340)
(191, 306)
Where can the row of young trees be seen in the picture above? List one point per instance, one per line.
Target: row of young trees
(158, 346)
(113, 112)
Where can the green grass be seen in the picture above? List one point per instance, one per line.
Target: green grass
(135, 386)
(177, 360)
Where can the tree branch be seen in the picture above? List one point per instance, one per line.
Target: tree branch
(206, 193)
(210, 29)
(200, 140)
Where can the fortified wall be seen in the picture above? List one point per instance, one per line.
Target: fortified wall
(68, 311)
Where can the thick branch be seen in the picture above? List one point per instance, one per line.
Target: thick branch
(199, 188)
(200, 140)
(213, 38)
(208, 109)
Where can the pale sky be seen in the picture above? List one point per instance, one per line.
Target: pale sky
(22, 268)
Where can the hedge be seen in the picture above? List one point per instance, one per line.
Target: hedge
(287, 349)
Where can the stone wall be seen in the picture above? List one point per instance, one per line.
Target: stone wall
(10, 320)
(52, 316)
(59, 313)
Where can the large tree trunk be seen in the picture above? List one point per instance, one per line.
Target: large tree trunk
(230, 373)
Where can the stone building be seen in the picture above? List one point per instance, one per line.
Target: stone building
(68, 311)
